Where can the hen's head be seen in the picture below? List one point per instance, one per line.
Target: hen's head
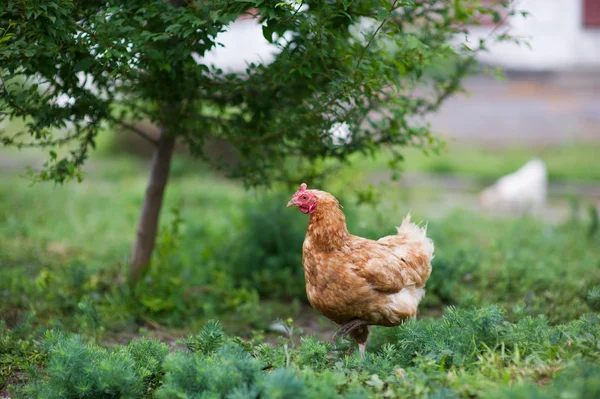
(305, 200)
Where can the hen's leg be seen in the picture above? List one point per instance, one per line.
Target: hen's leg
(360, 335)
(362, 348)
(347, 328)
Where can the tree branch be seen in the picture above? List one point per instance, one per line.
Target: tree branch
(362, 55)
(138, 131)
(48, 143)
(85, 30)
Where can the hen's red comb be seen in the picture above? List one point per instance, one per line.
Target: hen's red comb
(301, 189)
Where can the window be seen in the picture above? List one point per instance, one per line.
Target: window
(249, 14)
(591, 13)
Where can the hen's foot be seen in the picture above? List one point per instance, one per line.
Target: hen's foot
(362, 348)
(348, 328)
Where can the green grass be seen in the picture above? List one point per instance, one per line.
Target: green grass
(510, 311)
(570, 162)
(99, 215)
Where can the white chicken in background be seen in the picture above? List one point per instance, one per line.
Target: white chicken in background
(524, 191)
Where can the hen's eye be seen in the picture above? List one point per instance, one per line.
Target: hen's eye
(304, 197)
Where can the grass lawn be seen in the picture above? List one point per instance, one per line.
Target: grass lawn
(511, 309)
(570, 162)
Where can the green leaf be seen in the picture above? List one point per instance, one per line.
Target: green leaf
(268, 33)
(83, 65)
(163, 36)
(382, 14)
(496, 16)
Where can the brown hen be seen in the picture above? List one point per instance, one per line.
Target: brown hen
(357, 282)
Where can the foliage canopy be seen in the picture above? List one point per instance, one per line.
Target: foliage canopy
(363, 68)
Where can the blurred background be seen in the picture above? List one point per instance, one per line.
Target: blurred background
(68, 244)
(547, 106)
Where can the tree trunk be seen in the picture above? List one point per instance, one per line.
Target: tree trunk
(159, 175)
(148, 225)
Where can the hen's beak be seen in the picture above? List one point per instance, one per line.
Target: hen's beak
(292, 203)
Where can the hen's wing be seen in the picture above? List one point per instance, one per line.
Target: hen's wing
(394, 262)
(384, 271)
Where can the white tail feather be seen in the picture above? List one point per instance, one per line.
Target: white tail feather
(411, 232)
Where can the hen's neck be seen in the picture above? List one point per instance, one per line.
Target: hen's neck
(327, 228)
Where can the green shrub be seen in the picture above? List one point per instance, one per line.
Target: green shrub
(577, 380)
(281, 384)
(453, 340)
(266, 252)
(466, 353)
(462, 335)
(76, 369)
(215, 375)
(20, 350)
(313, 353)
(210, 338)
(593, 298)
(547, 269)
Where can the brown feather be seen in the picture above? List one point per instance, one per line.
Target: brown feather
(350, 277)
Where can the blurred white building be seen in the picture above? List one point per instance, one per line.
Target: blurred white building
(564, 36)
(242, 43)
